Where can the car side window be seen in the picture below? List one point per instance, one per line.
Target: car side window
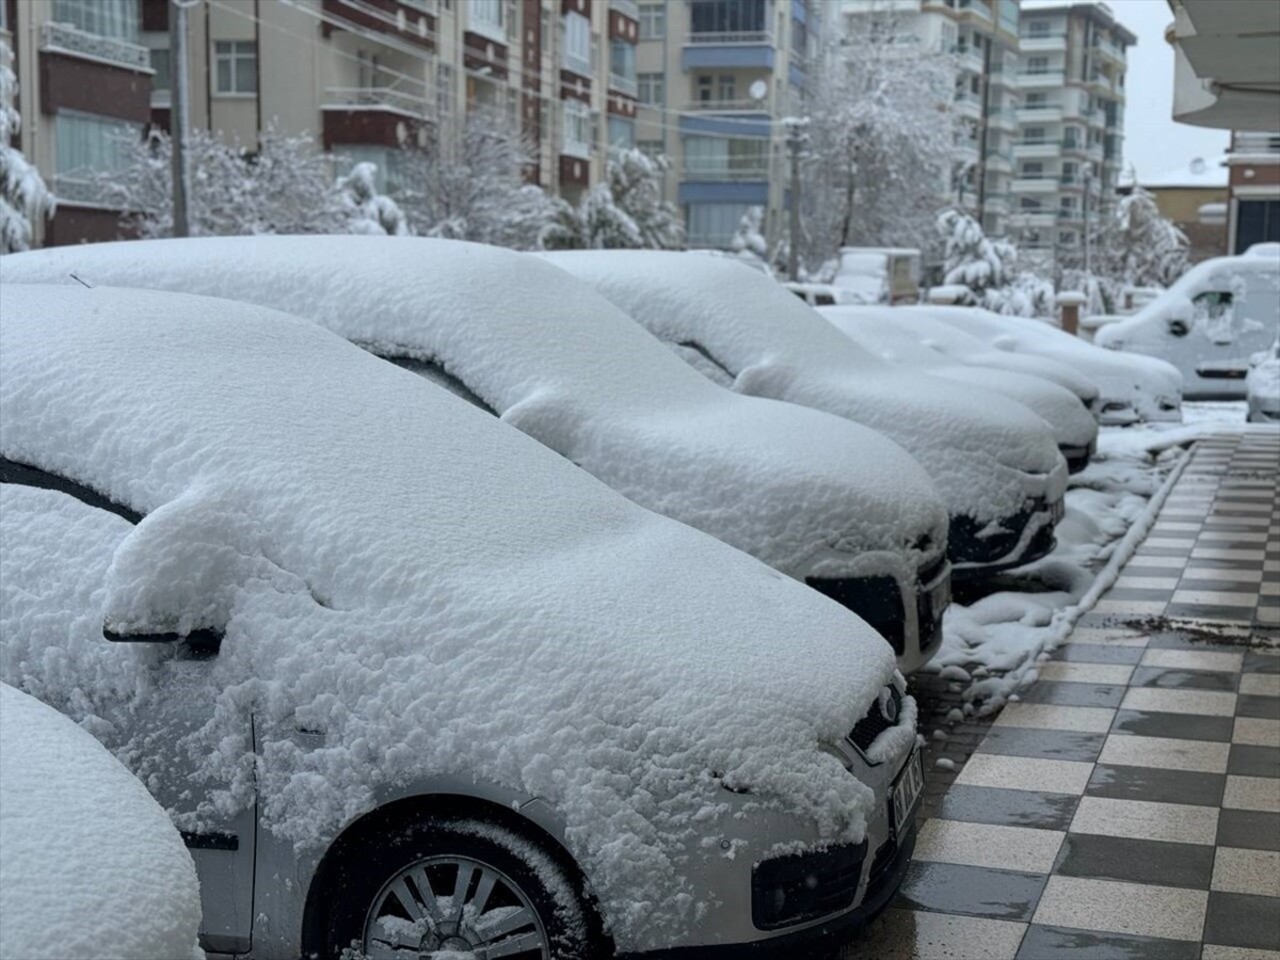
(701, 359)
(437, 374)
(22, 474)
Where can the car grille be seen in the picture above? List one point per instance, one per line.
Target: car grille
(876, 600)
(874, 723)
(788, 890)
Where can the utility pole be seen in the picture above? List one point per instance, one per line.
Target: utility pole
(178, 111)
(796, 139)
(1087, 174)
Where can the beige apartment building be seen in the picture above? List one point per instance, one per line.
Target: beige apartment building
(364, 77)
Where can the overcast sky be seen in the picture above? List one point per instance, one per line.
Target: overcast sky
(1153, 142)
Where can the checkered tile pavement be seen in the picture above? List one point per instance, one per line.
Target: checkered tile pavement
(1129, 804)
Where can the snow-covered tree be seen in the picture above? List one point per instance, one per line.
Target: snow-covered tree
(370, 210)
(748, 240)
(472, 186)
(23, 195)
(1149, 250)
(880, 140)
(625, 211)
(970, 259)
(286, 187)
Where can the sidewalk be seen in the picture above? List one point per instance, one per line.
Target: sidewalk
(1129, 804)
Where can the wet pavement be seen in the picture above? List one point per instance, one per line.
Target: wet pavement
(1128, 805)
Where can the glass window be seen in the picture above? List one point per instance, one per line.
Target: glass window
(1037, 64)
(577, 44)
(725, 88)
(721, 158)
(622, 59)
(652, 89)
(653, 21)
(714, 224)
(485, 16)
(117, 19)
(85, 144)
(622, 133)
(728, 16)
(651, 148)
(236, 67)
(577, 128)
(160, 64)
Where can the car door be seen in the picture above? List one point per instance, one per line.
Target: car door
(173, 695)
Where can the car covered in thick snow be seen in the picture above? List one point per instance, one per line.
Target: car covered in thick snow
(878, 329)
(1133, 387)
(823, 500)
(407, 679)
(994, 461)
(1262, 386)
(1208, 324)
(90, 865)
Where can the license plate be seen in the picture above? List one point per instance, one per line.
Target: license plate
(906, 792)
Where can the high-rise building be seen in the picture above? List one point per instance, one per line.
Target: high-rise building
(1068, 155)
(364, 77)
(715, 79)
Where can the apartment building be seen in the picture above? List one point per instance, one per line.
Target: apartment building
(365, 77)
(1253, 212)
(1069, 150)
(715, 79)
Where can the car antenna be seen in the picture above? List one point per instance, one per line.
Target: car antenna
(88, 286)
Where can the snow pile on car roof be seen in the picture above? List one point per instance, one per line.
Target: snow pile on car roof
(90, 865)
(807, 493)
(877, 329)
(978, 448)
(431, 589)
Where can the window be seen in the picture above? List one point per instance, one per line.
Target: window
(653, 21)
(160, 64)
(485, 17)
(651, 148)
(720, 158)
(1037, 28)
(714, 224)
(577, 44)
(622, 133)
(236, 67)
(577, 129)
(85, 144)
(117, 19)
(1033, 135)
(390, 177)
(622, 63)
(725, 88)
(652, 90)
(1035, 101)
(1037, 65)
(1257, 221)
(729, 16)
(705, 92)
(1029, 203)
(1032, 170)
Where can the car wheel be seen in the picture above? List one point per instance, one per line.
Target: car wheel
(457, 888)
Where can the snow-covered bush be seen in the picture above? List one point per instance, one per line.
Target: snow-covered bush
(23, 195)
(748, 241)
(988, 270)
(370, 210)
(626, 211)
(1149, 249)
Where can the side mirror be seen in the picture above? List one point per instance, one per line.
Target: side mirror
(1178, 327)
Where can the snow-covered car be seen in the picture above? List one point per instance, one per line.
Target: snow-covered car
(831, 503)
(408, 679)
(90, 865)
(877, 329)
(1132, 387)
(1262, 386)
(1208, 324)
(995, 462)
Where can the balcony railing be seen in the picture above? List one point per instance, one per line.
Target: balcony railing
(411, 102)
(748, 36)
(727, 106)
(1041, 105)
(623, 84)
(736, 171)
(1256, 142)
(65, 38)
(84, 190)
(628, 8)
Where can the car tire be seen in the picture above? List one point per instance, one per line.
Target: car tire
(514, 876)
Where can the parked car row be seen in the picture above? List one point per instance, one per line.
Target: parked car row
(410, 679)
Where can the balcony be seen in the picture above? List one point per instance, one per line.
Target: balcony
(968, 105)
(1035, 183)
(726, 172)
(623, 85)
(1029, 79)
(411, 103)
(727, 106)
(1036, 149)
(64, 38)
(997, 205)
(86, 190)
(741, 50)
(1032, 218)
(968, 59)
(1253, 142)
(628, 8)
(999, 163)
(1043, 43)
(1109, 48)
(1003, 120)
(1040, 113)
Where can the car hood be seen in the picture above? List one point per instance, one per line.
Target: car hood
(431, 589)
(564, 365)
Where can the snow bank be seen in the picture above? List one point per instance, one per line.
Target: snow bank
(807, 493)
(90, 866)
(1262, 384)
(978, 447)
(1153, 387)
(877, 329)
(433, 591)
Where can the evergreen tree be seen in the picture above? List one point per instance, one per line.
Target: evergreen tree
(24, 198)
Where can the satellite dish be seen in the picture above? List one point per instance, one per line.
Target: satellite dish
(758, 90)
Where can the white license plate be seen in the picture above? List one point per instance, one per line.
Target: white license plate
(906, 791)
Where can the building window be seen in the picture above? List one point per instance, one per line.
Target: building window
(622, 63)
(117, 19)
(1037, 28)
(86, 145)
(726, 88)
(622, 133)
(653, 21)
(444, 89)
(720, 158)
(1257, 221)
(485, 17)
(651, 148)
(390, 177)
(577, 44)
(714, 224)
(1037, 65)
(577, 129)
(651, 89)
(160, 64)
(236, 67)
(729, 17)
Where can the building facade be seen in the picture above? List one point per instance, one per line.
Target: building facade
(1069, 150)
(715, 80)
(364, 77)
(1253, 211)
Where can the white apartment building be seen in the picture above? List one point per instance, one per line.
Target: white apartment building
(364, 77)
(1069, 151)
(715, 78)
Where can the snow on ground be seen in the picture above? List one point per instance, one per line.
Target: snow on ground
(90, 865)
(994, 644)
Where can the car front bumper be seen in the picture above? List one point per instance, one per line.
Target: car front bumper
(1078, 457)
(1023, 538)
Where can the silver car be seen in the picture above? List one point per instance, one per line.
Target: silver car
(412, 682)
